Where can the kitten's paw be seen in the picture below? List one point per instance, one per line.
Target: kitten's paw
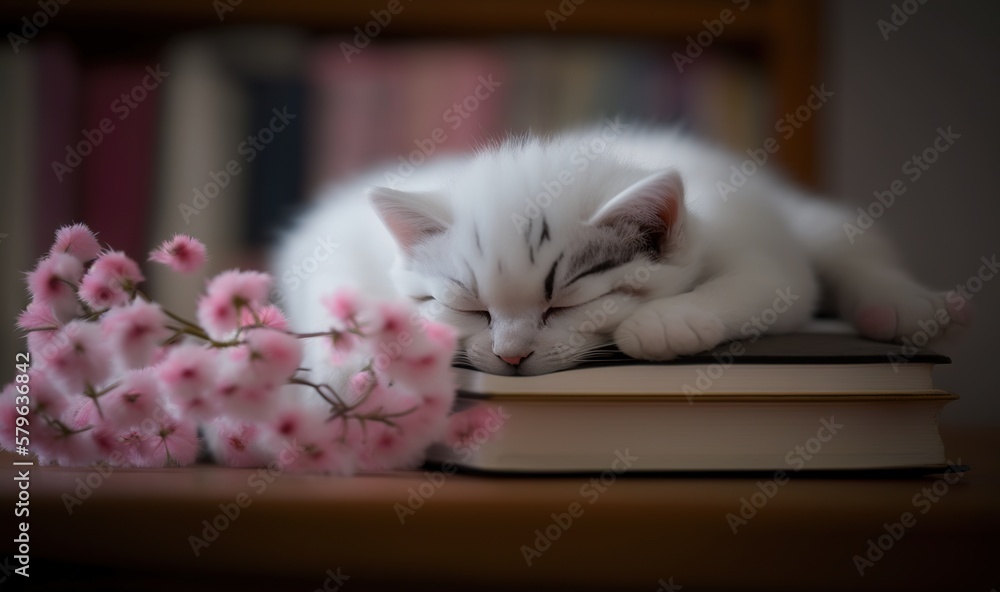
(909, 311)
(663, 333)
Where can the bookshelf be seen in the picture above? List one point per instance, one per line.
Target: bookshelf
(783, 34)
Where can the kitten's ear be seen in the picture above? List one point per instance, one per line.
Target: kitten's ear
(655, 203)
(407, 215)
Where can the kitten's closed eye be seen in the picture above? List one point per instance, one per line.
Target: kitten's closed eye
(554, 311)
(483, 314)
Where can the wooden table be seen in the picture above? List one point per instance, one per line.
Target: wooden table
(472, 532)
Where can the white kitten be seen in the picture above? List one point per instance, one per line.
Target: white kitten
(540, 250)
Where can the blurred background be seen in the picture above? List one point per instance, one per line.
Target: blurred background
(222, 118)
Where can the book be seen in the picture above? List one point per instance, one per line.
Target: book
(787, 402)
(119, 109)
(201, 190)
(56, 192)
(18, 118)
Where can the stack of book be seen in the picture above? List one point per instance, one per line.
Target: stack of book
(809, 401)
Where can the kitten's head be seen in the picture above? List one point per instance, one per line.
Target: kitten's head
(534, 259)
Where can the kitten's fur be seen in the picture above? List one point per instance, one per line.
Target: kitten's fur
(639, 248)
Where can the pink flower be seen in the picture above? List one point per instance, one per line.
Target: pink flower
(38, 316)
(304, 441)
(240, 287)
(81, 358)
(181, 253)
(218, 316)
(402, 444)
(110, 280)
(342, 347)
(41, 324)
(135, 446)
(172, 442)
(109, 444)
(45, 398)
(329, 457)
(361, 384)
(77, 240)
(274, 355)
(268, 315)
(117, 266)
(187, 371)
(441, 336)
(134, 332)
(300, 423)
(473, 426)
(393, 321)
(237, 443)
(226, 296)
(134, 400)
(72, 449)
(343, 305)
(243, 395)
(100, 291)
(53, 279)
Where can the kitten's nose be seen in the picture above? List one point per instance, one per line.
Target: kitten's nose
(513, 360)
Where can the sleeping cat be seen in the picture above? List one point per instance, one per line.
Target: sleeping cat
(542, 250)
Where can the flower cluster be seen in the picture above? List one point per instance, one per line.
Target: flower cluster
(115, 378)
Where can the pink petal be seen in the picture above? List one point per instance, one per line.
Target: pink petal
(181, 253)
(77, 240)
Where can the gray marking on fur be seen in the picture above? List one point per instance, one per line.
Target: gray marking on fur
(599, 268)
(475, 282)
(545, 232)
(551, 278)
(610, 248)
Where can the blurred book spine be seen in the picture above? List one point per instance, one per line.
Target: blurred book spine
(119, 102)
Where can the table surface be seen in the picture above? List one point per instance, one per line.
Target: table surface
(465, 531)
